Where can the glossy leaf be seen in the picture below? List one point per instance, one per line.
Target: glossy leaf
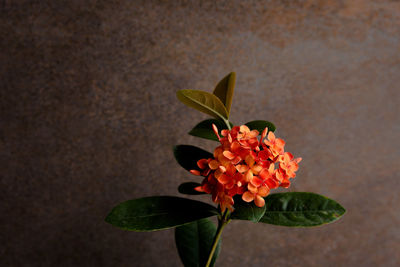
(300, 209)
(260, 125)
(187, 156)
(224, 90)
(246, 211)
(204, 102)
(194, 242)
(188, 189)
(204, 129)
(157, 213)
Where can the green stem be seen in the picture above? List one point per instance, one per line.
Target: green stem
(228, 124)
(221, 224)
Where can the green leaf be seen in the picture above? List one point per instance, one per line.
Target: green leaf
(204, 102)
(204, 129)
(157, 213)
(224, 90)
(188, 188)
(187, 156)
(301, 209)
(246, 211)
(260, 126)
(194, 242)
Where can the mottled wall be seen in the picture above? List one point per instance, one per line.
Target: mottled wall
(88, 116)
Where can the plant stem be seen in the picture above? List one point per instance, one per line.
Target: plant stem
(221, 224)
(227, 124)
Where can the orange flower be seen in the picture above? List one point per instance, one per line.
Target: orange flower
(257, 194)
(246, 138)
(232, 180)
(275, 144)
(249, 169)
(219, 156)
(211, 186)
(203, 165)
(244, 165)
(236, 153)
(266, 178)
(282, 178)
(224, 200)
(289, 164)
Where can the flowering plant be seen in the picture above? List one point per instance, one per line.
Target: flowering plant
(247, 164)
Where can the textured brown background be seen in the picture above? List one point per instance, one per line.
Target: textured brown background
(89, 116)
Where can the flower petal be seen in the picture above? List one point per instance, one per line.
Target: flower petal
(230, 138)
(244, 129)
(256, 169)
(259, 201)
(264, 133)
(271, 183)
(249, 160)
(271, 136)
(256, 181)
(271, 168)
(253, 189)
(223, 179)
(240, 190)
(229, 155)
(213, 164)
(238, 177)
(280, 143)
(236, 160)
(229, 185)
(218, 151)
(265, 174)
(195, 172)
(248, 176)
(280, 175)
(263, 191)
(248, 196)
(202, 163)
(253, 133)
(285, 183)
(230, 170)
(218, 173)
(264, 154)
(241, 168)
(199, 188)
(235, 146)
(253, 142)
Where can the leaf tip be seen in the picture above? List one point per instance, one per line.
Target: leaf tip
(108, 218)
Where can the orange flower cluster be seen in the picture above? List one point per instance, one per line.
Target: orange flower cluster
(244, 165)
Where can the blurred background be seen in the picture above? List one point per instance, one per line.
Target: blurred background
(88, 118)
